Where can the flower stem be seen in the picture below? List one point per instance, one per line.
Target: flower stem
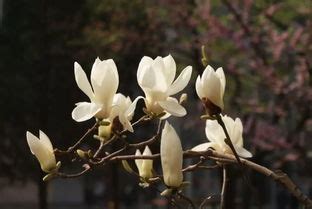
(228, 139)
(224, 185)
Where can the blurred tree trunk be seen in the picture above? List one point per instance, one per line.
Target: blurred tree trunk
(42, 193)
(43, 92)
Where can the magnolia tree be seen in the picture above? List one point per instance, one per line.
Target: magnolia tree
(113, 113)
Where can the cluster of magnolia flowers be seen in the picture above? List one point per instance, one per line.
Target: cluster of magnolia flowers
(156, 77)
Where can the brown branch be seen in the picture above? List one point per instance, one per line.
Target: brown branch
(278, 176)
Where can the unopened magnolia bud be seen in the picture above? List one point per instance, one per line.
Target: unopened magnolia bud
(171, 155)
(183, 98)
(210, 89)
(43, 150)
(104, 132)
(145, 167)
(82, 154)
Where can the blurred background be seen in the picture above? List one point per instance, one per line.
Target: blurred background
(264, 47)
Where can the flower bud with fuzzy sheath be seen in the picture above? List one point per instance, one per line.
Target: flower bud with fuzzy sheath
(43, 150)
(210, 89)
(171, 155)
(145, 167)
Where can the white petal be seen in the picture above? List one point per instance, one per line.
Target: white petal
(45, 157)
(242, 152)
(148, 79)
(161, 82)
(33, 142)
(199, 88)
(212, 89)
(172, 106)
(220, 74)
(145, 63)
(82, 81)
(237, 134)
(147, 165)
(130, 111)
(202, 147)
(181, 82)
(138, 162)
(171, 155)
(85, 111)
(170, 68)
(214, 132)
(125, 122)
(45, 140)
(105, 81)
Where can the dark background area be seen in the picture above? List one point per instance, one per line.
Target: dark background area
(264, 47)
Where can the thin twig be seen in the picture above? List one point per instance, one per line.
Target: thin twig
(149, 141)
(64, 175)
(209, 198)
(182, 196)
(224, 185)
(228, 140)
(70, 149)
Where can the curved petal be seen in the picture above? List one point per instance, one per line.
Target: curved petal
(45, 157)
(33, 142)
(171, 156)
(45, 141)
(130, 111)
(212, 89)
(145, 63)
(105, 81)
(138, 162)
(161, 83)
(85, 111)
(82, 81)
(238, 133)
(220, 74)
(125, 122)
(199, 88)
(170, 68)
(214, 132)
(181, 82)
(172, 106)
(203, 147)
(242, 152)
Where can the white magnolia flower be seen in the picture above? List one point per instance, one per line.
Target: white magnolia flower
(156, 78)
(43, 150)
(210, 89)
(216, 136)
(171, 155)
(104, 102)
(145, 167)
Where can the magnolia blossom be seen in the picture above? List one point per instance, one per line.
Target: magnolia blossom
(43, 150)
(210, 89)
(216, 136)
(145, 167)
(171, 155)
(104, 102)
(156, 78)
